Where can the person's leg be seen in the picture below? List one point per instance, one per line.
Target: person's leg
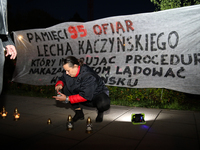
(79, 115)
(101, 102)
(78, 110)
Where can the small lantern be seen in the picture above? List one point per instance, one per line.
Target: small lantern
(49, 121)
(89, 126)
(4, 113)
(70, 125)
(16, 114)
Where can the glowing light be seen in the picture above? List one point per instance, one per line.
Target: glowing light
(16, 114)
(20, 37)
(3, 113)
(125, 118)
(128, 117)
(49, 121)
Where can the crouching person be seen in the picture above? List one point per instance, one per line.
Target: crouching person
(80, 84)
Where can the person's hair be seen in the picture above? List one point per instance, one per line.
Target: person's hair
(71, 61)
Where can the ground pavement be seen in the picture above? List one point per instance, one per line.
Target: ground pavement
(164, 129)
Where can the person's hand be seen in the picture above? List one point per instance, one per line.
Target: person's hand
(58, 87)
(11, 50)
(62, 97)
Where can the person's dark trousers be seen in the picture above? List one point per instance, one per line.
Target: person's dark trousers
(100, 101)
(2, 60)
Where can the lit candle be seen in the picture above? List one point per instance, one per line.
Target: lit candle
(16, 116)
(4, 115)
(49, 121)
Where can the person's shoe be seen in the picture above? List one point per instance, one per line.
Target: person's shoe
(99, 117)
(78, 115)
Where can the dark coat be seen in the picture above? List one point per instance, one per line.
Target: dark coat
(4, 35)
(87, 84)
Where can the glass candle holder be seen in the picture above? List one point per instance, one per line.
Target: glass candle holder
(70, 125)
(49, 121)
(16, 114)
(3, 113)
(89, 125)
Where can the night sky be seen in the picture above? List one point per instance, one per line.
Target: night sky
(65, 9)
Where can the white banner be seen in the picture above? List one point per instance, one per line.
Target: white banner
(149, 50)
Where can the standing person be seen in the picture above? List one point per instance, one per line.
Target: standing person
(81, 84)
(6, 42)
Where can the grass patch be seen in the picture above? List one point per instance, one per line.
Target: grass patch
(148, 98)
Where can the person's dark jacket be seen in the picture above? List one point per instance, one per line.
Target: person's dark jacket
(86, 85)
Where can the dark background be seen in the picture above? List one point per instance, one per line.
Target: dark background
(29, 14)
